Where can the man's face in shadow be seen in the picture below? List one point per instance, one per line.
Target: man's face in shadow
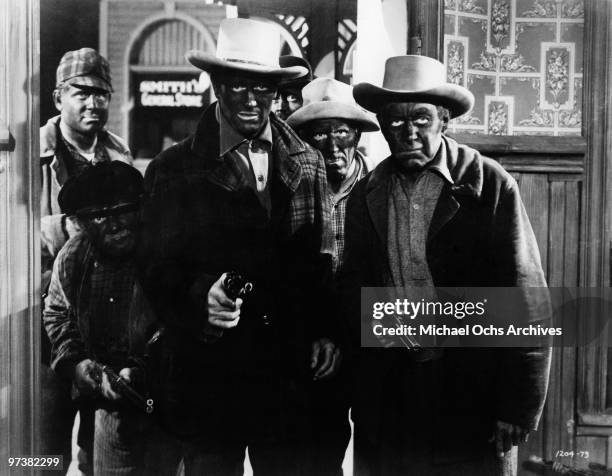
(84, 109)
(113, 235)
(413, 132)
(245, 102)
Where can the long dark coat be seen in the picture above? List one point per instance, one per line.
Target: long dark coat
(479, 236)
(201, 218)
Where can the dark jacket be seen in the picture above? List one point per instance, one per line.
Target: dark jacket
(479, 236)
(54, 167)
(78, 319)
(202, 218)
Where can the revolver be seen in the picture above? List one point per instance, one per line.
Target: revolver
(236, 286)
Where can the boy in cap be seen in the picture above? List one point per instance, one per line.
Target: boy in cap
(70, 143)
(95, 313)
(437, 213)
(243, 194)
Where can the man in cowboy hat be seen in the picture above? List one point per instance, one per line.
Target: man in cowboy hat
(332, 122)
(70, 143)
(437, 213)
(242, 194)
(290, 91)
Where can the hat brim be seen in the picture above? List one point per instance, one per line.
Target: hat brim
(91, 82)
(211, 64)
(332, 110)
(456, 98)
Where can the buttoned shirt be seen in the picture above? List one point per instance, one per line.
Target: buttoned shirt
(252, 152)
(412, 201)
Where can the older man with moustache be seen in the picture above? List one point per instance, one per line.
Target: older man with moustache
(437, 213)
(243, 194)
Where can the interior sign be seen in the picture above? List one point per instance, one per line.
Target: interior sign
(173, 93)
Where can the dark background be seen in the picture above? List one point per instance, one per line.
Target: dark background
(64, 25)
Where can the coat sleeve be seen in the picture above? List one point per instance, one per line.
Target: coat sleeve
(60, 320)
(177, 291)
(523, 371)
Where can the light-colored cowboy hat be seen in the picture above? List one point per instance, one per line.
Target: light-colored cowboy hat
(245, 46)
(326, 98)
(415, 78)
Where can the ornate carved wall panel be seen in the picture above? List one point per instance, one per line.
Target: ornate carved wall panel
(522, 59)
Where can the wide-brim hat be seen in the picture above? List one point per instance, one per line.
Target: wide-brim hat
(107, 188)
(246, 46)
(326, 98)
(286, 61)
(415, 78)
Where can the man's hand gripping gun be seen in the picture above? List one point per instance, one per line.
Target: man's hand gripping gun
(121, 386)
(236, 286)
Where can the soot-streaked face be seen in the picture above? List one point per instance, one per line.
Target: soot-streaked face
(245, 102)
(83, 109)
(413, 132)
(337, 141)
(114, 235)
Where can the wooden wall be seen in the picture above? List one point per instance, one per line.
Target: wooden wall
(19, 237)
(550, 173)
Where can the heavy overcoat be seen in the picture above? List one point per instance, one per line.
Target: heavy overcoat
(201, 218)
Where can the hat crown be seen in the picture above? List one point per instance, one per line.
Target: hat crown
(84, 63)
(327, 89)
(413, 73)
(248, 41)
(103, 185)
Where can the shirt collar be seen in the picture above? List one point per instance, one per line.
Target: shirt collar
(350, 181)
(440, 164)
(230, 139)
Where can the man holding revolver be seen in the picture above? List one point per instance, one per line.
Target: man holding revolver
(242, 194)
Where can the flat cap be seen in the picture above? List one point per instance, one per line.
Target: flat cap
(84, 67)
(107, 188)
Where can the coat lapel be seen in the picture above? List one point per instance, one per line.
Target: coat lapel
(377, 197)
(465, 167)
(220, 170)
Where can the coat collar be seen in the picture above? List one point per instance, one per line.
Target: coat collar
(49, 137)
(465, 167)
(224, 171)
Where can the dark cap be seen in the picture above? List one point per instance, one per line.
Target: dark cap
(84, 67)
(107, 188)
(287, 61)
